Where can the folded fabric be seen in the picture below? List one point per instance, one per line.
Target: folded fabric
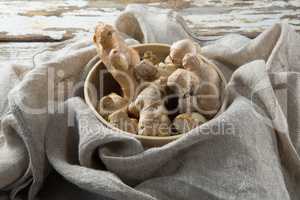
(251, 151)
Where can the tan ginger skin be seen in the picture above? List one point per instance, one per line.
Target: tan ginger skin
(117, 57)
(111, 103)
(180, 48)
(153, 116)
(198, 81)
(208, 93)
(146, 71)
(184, 83)
(121, 120)
(188, 121)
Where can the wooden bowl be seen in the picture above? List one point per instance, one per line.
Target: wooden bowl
(93, 92)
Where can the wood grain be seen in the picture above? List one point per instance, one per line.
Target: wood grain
(58, 20)
(20, 52)
(30, 25)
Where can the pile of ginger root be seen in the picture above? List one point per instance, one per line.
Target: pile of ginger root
(159, 98)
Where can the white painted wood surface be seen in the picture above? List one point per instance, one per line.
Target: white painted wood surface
(28, 26)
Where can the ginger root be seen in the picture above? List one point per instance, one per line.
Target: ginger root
(184, 83)
(118, 58)
(180, 48)
(111, 103)
(121, 120)
(208, 92)
(185, 122)
(153, 116)
(149, 55)
(145, 70)
(165, 70)
(197, 84)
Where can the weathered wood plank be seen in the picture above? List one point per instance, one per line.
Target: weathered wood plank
(51, 20)
(38, 22)
(20, 52)
(59, 20)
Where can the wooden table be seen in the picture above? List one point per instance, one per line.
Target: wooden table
(29, 26)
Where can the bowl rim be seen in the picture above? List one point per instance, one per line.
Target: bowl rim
(163, 139)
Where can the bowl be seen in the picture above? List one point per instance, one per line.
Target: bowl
(92, 91)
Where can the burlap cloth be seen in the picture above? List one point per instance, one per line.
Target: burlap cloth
(251, 151)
